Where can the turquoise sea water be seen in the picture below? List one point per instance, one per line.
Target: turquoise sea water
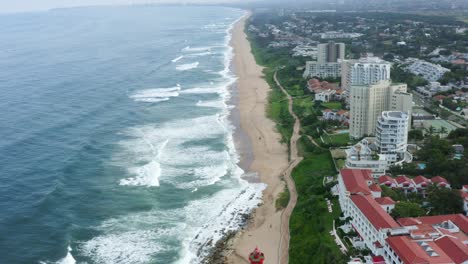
(115, 139)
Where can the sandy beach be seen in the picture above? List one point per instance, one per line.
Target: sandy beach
(269, 156)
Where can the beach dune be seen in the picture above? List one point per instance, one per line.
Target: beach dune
(269, 155)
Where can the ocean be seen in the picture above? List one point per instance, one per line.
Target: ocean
(117, 136)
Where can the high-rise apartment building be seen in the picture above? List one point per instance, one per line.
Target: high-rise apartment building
(328, 64)
(364, 71)
(330, 52)
(367, 102)
(392, 135)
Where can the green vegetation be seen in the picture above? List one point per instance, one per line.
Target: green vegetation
(333, 105)
(283, 199)
(311, 222)
(437, 154)
(407, 209)
(336, 140)
(445, 201)
(415, 135)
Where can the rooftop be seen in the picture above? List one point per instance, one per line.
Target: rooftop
(374, 212)
(355, 180)
(413, 251)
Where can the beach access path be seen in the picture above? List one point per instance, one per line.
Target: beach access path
(294, 160)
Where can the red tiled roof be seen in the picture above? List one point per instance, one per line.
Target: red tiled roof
(327, 110)
(454, 248)
(460, 220)
(439, 179)
(410, 252)
(439, 97)
(355, 180)
(375, 188)
(402, 178)
(384, 179)
(385, 201)
(373, 212)
(341, 112)
(421, 179)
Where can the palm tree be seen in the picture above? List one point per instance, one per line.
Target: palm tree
(430, 131)
(443, 130)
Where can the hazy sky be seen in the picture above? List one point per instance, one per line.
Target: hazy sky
(7, 6)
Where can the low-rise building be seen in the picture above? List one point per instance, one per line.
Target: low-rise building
(440, 182)
(415, 240)
(324, 95)
(429, 71)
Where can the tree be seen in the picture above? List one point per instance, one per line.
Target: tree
(415, 135)
(430, 131)
(395, 195)
(407, 209)
(445, 201)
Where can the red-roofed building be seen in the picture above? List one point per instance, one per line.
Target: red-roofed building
(386, 203)
(453, 247)
(421, 182)
(387, 181)
(404, 250)
(370, 220)
(439, 98)
(405, 183)
(458, 219)
(440, 182)
(355, 181)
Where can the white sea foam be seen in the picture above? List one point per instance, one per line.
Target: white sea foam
(156, 95)
(148, 174)
(186, 163)
(189, 49)
(202, 90)
(200, 54)
(68, 259)
(213, 103)
(188, 66)
(177, 59)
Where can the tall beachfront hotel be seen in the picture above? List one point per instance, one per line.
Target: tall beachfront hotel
(367, 102)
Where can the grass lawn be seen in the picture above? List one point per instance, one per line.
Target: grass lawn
(341, 139)
(332, 105)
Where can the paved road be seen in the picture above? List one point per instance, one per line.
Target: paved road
(294, 159)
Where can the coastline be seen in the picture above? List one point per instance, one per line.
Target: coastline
(260, 150)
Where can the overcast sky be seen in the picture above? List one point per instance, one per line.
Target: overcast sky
(7, 6)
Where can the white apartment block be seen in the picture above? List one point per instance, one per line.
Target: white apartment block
(322, 70)
(367, 102)
(328, 64)
(360, 156)
(392, 135)
(364, 71)
(429, 71)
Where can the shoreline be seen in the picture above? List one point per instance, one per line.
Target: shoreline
(260, 151)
